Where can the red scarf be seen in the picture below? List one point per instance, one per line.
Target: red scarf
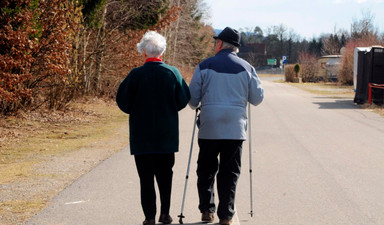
(153, 60)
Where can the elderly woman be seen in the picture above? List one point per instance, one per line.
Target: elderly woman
(152, 95)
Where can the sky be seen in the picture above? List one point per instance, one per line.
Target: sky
(308, 18)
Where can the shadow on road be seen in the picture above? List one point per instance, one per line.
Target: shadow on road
(199, 223)
(338, 104)
(194, 223)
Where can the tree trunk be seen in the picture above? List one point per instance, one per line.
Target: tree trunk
(87, 82)
(176, 33)
(100, 47)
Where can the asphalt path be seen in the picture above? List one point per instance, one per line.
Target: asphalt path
(316, 160)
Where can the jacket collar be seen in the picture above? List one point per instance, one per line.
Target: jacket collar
(153, 60)
(226, 51)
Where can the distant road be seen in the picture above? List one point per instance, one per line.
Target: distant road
(316, 161)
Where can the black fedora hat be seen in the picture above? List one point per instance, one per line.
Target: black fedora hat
(230, 36)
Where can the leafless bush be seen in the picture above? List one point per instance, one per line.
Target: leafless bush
(308, 67)
(289, 73)
(346, 70)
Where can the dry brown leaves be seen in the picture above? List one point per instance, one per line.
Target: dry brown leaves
(24, 124)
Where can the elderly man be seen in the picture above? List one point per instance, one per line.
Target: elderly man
(152, 95)
(222, 86)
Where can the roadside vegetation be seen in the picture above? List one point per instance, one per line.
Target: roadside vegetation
(54, 52)
(60, 65)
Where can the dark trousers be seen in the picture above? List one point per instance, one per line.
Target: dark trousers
(228, 172)
(159, 166)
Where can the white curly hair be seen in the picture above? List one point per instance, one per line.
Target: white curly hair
(153, 43)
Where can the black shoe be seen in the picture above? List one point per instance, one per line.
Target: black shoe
(207, 217)
(165, 219)
(149, 222)
(226, 222)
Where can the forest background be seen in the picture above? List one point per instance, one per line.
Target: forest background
(53, 52)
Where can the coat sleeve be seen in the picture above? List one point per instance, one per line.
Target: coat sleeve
(182, 92)
(195, 89)
(256, 91)
(125, 94)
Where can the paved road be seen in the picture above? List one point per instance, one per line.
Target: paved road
(316, 160)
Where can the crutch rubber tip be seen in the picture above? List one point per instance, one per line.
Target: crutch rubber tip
(181, 218)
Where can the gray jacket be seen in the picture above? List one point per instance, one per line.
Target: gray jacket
(222, 85)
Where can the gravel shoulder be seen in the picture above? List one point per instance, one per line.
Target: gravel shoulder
(42, 173)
